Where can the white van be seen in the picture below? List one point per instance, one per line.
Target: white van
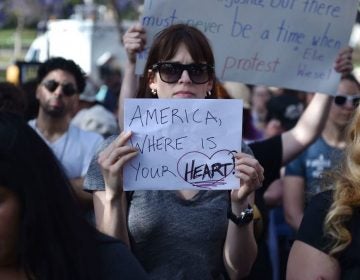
(83, 41)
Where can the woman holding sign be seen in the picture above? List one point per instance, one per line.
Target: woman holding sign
(183, 234)
(283, 147)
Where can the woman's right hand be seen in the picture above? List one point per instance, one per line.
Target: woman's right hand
(134, 41)
(112, 160)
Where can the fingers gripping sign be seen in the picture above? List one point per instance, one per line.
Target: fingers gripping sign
(112, 160)
(134, 41)
(343, 63)
(250, 173)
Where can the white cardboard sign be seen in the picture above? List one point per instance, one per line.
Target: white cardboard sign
(284, 43)
(183, 144)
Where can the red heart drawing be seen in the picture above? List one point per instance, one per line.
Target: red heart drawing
(200, 170)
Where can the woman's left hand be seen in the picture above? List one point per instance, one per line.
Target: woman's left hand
(251, 175)
(343, 62)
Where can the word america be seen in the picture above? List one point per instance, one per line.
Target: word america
(168, 115)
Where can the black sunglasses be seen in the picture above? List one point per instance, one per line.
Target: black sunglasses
(68, 89)
(170, 72)
(340, 100)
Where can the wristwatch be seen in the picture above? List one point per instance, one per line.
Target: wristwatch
(245, 217)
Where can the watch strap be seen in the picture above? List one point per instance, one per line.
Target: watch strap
(245, 217)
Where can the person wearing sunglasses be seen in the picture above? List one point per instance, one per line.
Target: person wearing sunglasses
(341, 100)
(199, 242)
(171, 72)
(60, 82)
(272, 153)
(303, 175)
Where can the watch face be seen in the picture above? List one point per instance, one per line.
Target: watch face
(248, 216)
(244, 218)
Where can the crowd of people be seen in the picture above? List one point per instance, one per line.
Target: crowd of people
(64, 213)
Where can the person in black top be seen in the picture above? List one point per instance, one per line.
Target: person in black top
(328, 243)
(43, 234)
(277, 151)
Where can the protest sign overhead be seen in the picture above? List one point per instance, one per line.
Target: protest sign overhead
(284, 43)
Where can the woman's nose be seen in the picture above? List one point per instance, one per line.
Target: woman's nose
(185, 78)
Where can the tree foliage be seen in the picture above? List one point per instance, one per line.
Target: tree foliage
(33, 11)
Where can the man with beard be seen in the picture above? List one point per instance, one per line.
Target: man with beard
(60, 82)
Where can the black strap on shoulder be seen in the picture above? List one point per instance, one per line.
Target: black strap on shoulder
(129, 196)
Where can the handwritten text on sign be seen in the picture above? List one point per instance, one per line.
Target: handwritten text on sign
(183, 144)
(283, 43)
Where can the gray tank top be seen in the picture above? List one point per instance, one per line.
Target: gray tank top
(175, 238)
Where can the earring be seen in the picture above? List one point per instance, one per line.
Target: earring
(154, 92)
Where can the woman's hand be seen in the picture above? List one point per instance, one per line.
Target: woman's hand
(251, 175)
(343, 63)
(112, 160)
(134, 41)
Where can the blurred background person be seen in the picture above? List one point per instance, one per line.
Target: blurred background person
(241, 91)
(12, 99)
(303, 175)
(60, 81)
(260, 96)
(111, 77)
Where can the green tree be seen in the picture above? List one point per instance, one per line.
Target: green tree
(23, 11)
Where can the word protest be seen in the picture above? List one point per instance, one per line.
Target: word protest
(183, 143)
(283, 43)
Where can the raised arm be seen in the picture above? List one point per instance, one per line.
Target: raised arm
(308, 128)
(134, 41)
(312, 121)
(293, 199)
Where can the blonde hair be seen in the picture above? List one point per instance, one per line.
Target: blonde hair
(347, 191)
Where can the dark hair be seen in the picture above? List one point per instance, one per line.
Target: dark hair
(55, 242)
(67, 65)
(350, 77)
(32, 103)
(166, 44)
(12, 98)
